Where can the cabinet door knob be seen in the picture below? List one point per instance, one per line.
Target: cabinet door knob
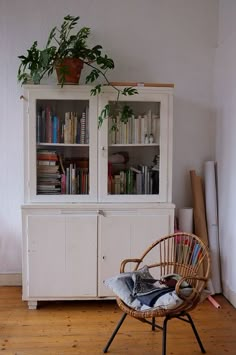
(103, 148)
(101, 213)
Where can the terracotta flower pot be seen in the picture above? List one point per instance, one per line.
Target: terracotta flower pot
(68, 70)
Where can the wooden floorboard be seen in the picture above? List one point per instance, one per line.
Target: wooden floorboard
(83, 327)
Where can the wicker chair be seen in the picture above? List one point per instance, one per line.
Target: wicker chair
(180, 253)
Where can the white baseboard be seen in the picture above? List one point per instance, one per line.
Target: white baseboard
(229, 294)
(10, 279)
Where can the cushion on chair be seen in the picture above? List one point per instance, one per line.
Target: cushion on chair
(140, 290)
(123, 285)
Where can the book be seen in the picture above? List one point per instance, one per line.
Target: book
(55, 129)
(87, 125)
(63, 183)
(138, 184)
(48, 125)
(47, 157)
(196, 253)
(122, 182)
(46, 162)
(67, 128)
(47, 169)
(83, 128)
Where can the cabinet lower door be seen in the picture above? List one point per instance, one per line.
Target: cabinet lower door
(61, 256)
(125, 235)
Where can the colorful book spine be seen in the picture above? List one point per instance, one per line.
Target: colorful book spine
(55, 129)
(63, 184)
(48, 125)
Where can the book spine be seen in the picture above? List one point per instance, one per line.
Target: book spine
(67, 180)
(48, 125)
(139, 184)
(73, 180)
(55, 129)
(75, 128)
(122, 182)
(43, 127)
(38, 128)
(87, 125)
(63, 183)
(82, 128)
(67, 128)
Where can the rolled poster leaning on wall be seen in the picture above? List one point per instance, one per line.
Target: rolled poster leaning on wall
(186, 219)
(212, 222)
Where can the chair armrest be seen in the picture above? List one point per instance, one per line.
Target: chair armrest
(126, 261)
(195, 294)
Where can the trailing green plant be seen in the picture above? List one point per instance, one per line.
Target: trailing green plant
(112, 110)
(66, 42)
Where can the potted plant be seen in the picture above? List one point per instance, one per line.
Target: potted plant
(66, 47)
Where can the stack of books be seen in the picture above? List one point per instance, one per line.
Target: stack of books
(48, 174)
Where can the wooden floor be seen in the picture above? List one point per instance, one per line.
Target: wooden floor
(83, 327)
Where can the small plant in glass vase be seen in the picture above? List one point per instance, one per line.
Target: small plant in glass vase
(67, 52)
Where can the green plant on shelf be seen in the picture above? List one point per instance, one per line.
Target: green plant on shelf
(63, 43)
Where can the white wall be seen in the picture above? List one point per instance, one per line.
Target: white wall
(154, 41)
(225, 101)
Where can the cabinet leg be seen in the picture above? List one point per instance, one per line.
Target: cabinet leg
(32, 304)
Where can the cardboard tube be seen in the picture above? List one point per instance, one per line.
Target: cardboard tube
(186, 219)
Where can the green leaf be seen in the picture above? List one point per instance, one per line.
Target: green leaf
(44, 58)
(92, 76)
(96, 90)
(103, 115)
(126, 113)
(51, 36)
(129, 91)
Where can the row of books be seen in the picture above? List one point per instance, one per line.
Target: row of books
(56, 177)
(75, 181)
(141, 129)
(187, 253)
(70, 128)
(140, 181)
(71, 176)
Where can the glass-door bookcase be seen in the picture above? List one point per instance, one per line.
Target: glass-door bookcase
(61, 148)
(134, 156)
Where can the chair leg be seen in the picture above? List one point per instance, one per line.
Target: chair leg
(114, 333)
(195, 333)
(164, 335)
(153, 323)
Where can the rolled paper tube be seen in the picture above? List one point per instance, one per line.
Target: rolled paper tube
(199, 212)
(186, 220)
(212, 223)
(213, 301)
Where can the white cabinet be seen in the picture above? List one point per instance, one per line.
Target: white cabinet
(68, 251)
(92, 196)
(59, 254)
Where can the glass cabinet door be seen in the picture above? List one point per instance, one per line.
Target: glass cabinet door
(63, 145)
(134, 155)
